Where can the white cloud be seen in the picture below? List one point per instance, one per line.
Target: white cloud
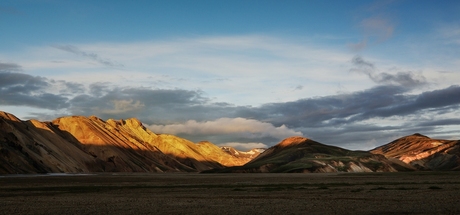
(241, 127)
(246, 70)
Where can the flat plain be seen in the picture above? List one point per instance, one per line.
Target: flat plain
(256, 193)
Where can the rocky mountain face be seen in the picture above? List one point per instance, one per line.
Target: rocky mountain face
(79, 144)
(299, 154)
(423, 153)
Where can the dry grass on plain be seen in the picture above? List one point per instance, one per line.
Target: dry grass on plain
(186, 193)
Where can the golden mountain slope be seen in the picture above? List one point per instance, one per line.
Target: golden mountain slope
(80, 144)
(423, 152)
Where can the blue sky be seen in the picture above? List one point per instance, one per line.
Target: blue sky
(355, 74)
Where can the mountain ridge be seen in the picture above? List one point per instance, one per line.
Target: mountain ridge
(79, 144)
(303, 155)
(89, 144)
(423, 152)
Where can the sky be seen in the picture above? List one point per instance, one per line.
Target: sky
(247, 74)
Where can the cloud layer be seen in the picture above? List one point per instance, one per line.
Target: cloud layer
(251, 90)
(240, 127)
(356, 119)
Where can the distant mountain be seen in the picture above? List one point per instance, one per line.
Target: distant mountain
(78, 144)
(248, 156)
(423, 153)
(299, 154)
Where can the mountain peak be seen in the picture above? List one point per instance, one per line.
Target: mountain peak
(133, 122)
(418, 135)
(291, 141)
(9, 116)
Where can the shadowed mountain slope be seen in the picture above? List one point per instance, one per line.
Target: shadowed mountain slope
(80, 144)
(423, 152)
(299, 154)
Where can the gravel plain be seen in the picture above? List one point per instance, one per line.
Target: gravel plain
(190, 193)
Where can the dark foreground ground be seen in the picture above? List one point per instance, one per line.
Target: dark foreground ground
(370, 193)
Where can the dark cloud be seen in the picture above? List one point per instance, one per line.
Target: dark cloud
(67, 88)
(427, 101)
(328, 110)
(339, 110)
(6, 67)
(26, 90)
(92, 56)
(152, 105)
(441, 122)
(347, 119)
(22, 83)
(71, 87)
(99, 88)
(406, 79)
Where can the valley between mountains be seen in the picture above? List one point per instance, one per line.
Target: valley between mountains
(77, 144)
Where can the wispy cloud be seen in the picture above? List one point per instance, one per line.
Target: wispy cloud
(375, 30)
(4, 67)
(380, 28)
(405, 79)
(213, 64)
(450, 33)
(92, 56)
(375, 26)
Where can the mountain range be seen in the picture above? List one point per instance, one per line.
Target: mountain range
(77, 144)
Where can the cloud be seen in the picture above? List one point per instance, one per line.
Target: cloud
(375, 30)
(375, 26)
(217, 65)
(358, 46)
(346, 119)
(123, 106)
(378, 27)
(441, 122)
(5, 67)
(68, 88)
(248, 128)
(450, 34)
(344, 110)
(22, 89)
(153, 105)
(269, 87)
(406, 79)
(92, 56)
(331, 110)
(336, 119)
